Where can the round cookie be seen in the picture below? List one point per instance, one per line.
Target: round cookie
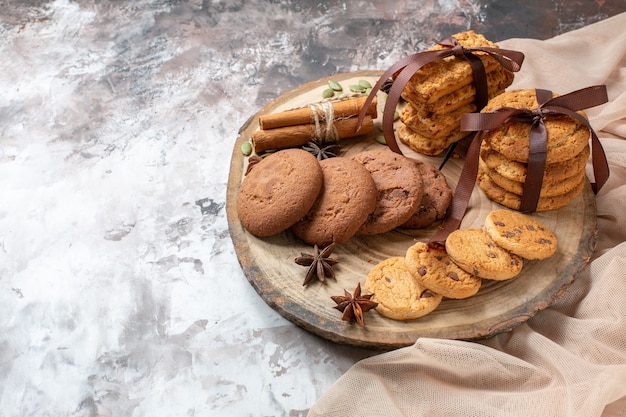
(435, 200)
(347, 198)
(520, 234)
(398, 294)
(279, 191)
(432, 266)
(400, 189)
(516, 171)
(511, 200)
(549, 187)
(566, 137)
(475, 252)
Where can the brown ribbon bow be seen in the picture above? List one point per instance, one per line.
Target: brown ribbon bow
(567, 104)
(404, 69)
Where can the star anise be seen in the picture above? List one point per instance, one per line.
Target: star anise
(319, 262)
(252, 161)
(354, 305)
(321, 152)
(386, 87)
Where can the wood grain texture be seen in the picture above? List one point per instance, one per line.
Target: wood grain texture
(268, 263)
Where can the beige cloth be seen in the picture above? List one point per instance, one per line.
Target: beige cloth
(568, 360)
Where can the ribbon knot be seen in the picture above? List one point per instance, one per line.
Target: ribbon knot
(404, 69)
(537, 115)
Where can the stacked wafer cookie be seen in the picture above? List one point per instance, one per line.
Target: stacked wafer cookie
(502, 169)
(440, 92)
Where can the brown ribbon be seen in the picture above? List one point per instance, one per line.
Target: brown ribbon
(404, 69)
(567, 104)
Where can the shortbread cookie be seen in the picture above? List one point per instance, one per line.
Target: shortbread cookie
(348, 196)
(516, 171)
(497, 81)
(435, 125)
(435, 201)
(432, 266)
(399, 185)
(566, 137)
(520, 234)
(444, 76)
(429, 146)
(511, 200)
(549, 187)
(475, 252)
(279, 191)
(399, 295)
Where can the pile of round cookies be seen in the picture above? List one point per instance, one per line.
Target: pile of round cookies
(329, 201)
(504, 156)
(438, 94)
(414, 285)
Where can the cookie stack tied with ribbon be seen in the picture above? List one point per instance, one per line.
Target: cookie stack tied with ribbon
(538, 145)
(439, 85)
(440, 92)
(535, 147)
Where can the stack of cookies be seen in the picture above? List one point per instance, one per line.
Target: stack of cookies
(440, 92)
(329, 201)
(504, 156)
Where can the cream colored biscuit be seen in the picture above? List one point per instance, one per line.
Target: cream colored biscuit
(399, 295)
(475, 252)
(432, 266)
(520, 234)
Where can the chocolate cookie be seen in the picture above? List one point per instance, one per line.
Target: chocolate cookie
(432, 266)
(435, 200)
(520, 234)
(399, 295)
(400, 189)
(279, 191)
(475, 252)
(347, 198)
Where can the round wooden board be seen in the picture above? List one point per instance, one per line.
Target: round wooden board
(269, 265)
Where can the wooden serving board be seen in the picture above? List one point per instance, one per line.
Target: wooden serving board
(269, 265)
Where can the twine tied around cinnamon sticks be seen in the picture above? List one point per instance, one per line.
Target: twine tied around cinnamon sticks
(568, 105)
(403, 70)
(324, 122)
(326, 133)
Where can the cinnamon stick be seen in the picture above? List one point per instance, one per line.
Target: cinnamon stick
(304, 115)
(292, 136)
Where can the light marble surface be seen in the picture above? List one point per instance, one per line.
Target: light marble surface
(120, 290)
